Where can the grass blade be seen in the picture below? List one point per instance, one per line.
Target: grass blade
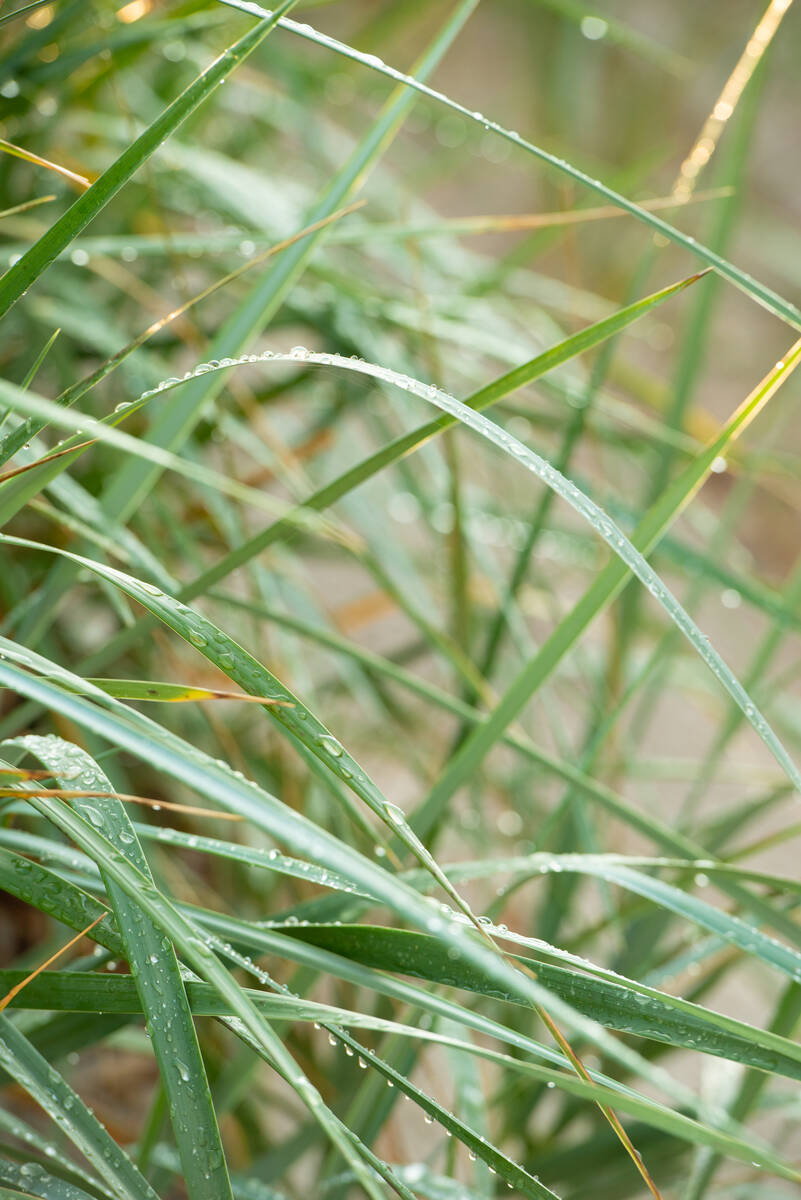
(158, 979)
(741, 279)
(27, 270)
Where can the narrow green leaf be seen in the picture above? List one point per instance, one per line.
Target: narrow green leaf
(27, 270)
(174, 423)
(64, 1106)
(158, 980)
(132, 730)
(32, 1179)
(117, 994)
(396, 450)
(752, 287)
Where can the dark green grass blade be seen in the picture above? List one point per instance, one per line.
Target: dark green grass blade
(196, 950)
(117, 994)
(68, 903)
(655, 1016)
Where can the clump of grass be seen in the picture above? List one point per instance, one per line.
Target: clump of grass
(399, 726)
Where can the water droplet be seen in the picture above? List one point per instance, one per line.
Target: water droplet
(594, 28)
(331, 746)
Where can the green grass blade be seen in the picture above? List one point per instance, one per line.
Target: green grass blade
(63, 1105)
(38, 885)
(117, 994)
(155, 968)
(20, 12)
(220, 785)
(174, 424)
(617, 1003)
(35, 261)
(196, 951)
(19, 489)
(68, 903)
(752, 287)
(398, 449)
(287, 709)
(35, 1142)
(606, 586)
(32, 1179)
(630, 558)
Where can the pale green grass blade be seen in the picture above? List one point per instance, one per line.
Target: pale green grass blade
(32, 1179)
(11, 443)
(20, 12)
(158, 979)
(131, 484)
(732, 929)
(33, 1141)
(397, 450)
(27, 270)
(606, 586)
(758, 291)
(748, 1093)
(217, 782)
(268, 860)
(763, 655)
(620, 33)
(21, 488)
(63, 1105)
(176, 422)
(608, 583)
